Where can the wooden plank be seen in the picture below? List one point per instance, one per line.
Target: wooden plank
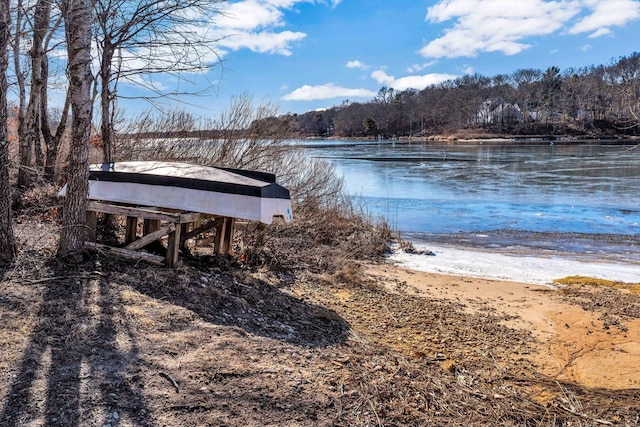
(150, 225)
(148, 212)
(228, 236)
(125, 253)
(173, 247)
(132, 229)
(201, 229)
(184, 228)
(220, 231)
(151, 237)
(190, 217)
(140, 212)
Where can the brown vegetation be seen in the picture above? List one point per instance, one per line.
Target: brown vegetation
(292, 331)
(593, 101)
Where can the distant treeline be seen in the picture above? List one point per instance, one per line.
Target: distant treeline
(598, 101)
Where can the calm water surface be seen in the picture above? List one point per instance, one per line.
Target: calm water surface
(462, 191)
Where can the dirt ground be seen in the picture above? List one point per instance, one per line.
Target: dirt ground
(214, 343)
(571, 343)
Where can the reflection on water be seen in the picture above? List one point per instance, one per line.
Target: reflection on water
(462, 187)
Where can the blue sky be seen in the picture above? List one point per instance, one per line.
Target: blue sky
(314, 54)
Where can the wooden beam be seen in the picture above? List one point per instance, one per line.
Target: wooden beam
(173, 247)
(125, 253)
(151, 237)
(192, 217)
(220, 230)
(184, 228)
(201, 229)
(224, 234)
(150, 225)
(132, 229)
(148, 212)
(228, 236)
(140, 212)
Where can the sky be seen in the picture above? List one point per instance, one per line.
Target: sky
(309, 55)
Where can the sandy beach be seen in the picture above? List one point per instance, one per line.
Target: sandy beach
(572, 343)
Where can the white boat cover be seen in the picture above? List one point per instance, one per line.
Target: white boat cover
(226, 192)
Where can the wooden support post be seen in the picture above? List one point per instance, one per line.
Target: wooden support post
(184, 230)
(220, 231)
(132, 230)
(91, 225)
(150, 225)
(224, 235)
(228, 235)
(173, 246)
(202, 229)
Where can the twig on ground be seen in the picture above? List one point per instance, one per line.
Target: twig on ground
(170, 379)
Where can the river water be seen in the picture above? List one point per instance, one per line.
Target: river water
(578, 197)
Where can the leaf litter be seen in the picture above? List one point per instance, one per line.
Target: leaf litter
(300, 337)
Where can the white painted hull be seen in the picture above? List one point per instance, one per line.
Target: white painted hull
(189, 188)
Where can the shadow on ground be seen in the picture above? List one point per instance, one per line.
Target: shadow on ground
(84, 363)
(73, 346)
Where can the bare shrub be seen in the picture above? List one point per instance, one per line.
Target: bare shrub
(328, 230)
(245, 136)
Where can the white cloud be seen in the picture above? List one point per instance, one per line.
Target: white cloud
(410, 82)
(605, 14)
(494, 25)
(419, 67)
(599, 33)
(585, 47)
(326, 91)
(357, 64)
(467, 69)
(264, 41)
(253, 24)
(249, 15)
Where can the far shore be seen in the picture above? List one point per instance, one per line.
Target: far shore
(488, 138)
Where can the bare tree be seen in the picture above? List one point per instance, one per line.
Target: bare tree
(18, 41)
(52, 139)
(77, 19)
(147, 37)
(30, 139)
(36, 25)
(7, 240)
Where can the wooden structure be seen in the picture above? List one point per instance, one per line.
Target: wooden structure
(179, 201)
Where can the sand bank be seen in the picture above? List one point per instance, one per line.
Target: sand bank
(572, 343)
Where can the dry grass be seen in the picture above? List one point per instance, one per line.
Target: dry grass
(616, 302)
(215, 343)
(633, 288)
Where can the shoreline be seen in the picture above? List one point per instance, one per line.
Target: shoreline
(526, 265)
(572, 343)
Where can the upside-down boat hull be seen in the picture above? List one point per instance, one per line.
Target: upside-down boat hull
(218, 191)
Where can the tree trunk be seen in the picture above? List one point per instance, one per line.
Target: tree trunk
(31, 139)
(20, 79)
(106, 102)
(52, 140)
(77, 18)
(7, 239)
